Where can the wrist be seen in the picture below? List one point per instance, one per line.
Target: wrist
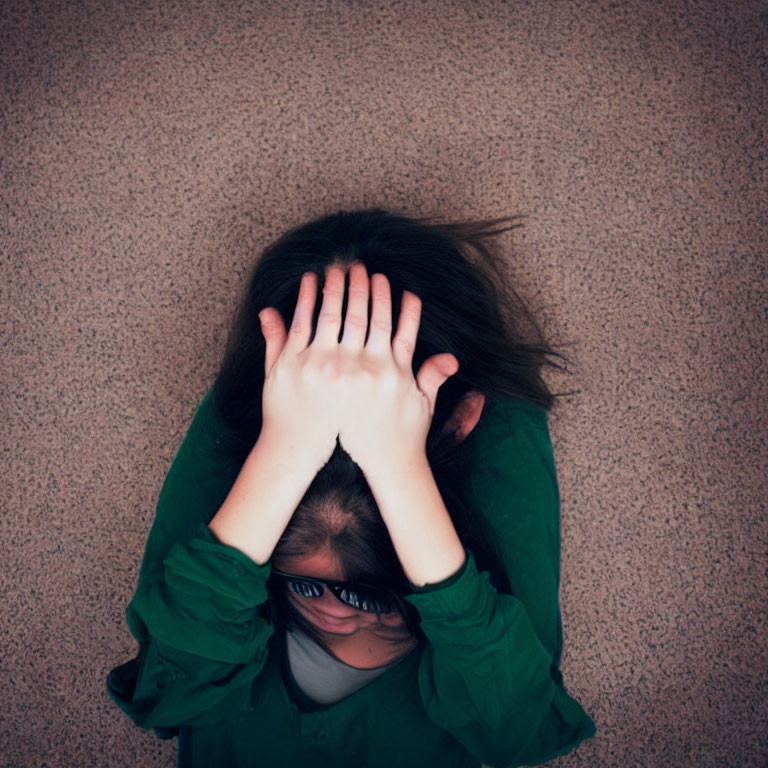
(397, 469)
(420, 526)
(288, 453)
(260, 504)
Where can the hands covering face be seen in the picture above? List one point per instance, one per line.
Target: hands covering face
(362, 391)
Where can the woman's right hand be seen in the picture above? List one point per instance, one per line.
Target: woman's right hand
(299, 404)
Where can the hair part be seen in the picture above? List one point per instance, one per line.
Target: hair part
(338, 515)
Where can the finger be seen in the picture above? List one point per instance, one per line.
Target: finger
(273, 329)
(380, 332)
(301, 325)
(404, 343)
(356, 321)
(329, 319)
(433, 373)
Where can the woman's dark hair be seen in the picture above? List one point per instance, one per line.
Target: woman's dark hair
(469, 308)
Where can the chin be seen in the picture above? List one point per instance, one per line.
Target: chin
(334, 633)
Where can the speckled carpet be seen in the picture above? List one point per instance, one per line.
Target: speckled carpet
(150, 149)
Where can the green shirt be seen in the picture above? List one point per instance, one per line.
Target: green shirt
(485, 688)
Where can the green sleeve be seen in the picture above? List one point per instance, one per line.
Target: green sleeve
(201, 638)
(484, 675)
(195, 612)
(498, 688)
(194, 489)
(514, 485)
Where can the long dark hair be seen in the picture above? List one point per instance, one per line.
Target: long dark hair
(469, 308)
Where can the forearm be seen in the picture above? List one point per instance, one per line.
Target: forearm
(418, 522)
(262, 500)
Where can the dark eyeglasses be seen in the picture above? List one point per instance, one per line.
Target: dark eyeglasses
(364, 597)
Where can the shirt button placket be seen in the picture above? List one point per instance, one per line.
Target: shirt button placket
(313, 726)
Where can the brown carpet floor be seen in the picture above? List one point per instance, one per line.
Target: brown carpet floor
(150, 149)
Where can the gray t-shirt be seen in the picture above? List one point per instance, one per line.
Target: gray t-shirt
(323, 677)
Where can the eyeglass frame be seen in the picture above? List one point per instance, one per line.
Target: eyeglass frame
(333, 586)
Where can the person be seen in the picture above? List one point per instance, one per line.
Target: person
(355, 554)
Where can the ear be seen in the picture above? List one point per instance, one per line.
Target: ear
(466, 415)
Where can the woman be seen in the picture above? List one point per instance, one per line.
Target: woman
(323, 583)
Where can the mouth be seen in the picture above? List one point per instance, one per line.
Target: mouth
(332, 623)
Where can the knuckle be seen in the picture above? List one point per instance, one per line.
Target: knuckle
(381, 325)
(322, 366)
(406, 345)
(358, 293)
(356, 321)
(389, 380)
(411, 309)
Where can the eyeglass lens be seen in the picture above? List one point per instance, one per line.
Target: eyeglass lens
(361, 598)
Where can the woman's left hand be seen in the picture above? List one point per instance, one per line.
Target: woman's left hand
(386, 413)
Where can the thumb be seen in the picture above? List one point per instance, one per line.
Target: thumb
(273, 329)
(434, 372)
